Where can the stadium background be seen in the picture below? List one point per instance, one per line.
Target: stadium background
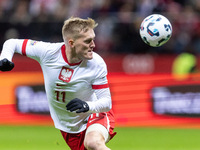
(137, 73)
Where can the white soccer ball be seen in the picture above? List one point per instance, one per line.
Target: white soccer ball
(155, 30)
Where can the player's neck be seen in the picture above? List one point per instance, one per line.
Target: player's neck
(72, 57)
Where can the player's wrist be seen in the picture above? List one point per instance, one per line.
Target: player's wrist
(91, 107)
(6, 65)
(77, 105)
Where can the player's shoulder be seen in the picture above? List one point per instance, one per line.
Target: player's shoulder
(47, 45)
(97, 57)
(97, 62)
(47, 50)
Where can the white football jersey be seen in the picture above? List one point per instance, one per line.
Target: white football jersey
(65, 81)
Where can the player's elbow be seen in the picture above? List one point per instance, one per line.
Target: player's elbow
(109, 107)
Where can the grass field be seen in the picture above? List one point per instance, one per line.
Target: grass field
(49, 138)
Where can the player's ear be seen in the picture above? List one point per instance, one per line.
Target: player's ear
(71, 43)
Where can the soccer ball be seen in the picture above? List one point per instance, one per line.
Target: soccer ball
(155, 30)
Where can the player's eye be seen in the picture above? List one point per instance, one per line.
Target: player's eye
(88, 41)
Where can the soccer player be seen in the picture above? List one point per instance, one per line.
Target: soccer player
(75, 82)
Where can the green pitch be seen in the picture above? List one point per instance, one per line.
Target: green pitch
(49, 138)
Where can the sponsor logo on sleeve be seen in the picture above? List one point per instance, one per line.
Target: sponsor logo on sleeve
(32, 43)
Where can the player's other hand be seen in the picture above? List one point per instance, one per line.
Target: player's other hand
(6, 65)
(77, 105)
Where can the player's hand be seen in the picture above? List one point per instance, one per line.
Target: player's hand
(6, 65)
(77, 105)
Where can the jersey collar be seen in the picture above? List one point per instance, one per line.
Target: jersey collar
(65, 57)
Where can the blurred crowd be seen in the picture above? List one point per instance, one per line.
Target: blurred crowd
(119, 22)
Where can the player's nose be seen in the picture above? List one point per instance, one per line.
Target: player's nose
(92, 45)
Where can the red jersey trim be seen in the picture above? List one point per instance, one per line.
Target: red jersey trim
(65, 57)
(96, 87)
(24, 47)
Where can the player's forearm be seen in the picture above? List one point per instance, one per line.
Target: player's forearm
(103, 104)
(9, 48)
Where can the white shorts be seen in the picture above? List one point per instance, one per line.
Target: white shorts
(99, 128)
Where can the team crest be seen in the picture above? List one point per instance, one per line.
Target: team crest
(66, 74)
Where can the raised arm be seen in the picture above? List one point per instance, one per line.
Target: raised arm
(10, 47)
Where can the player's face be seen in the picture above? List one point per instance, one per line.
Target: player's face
(84, 45)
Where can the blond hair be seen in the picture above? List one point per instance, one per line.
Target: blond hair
(74, 26)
